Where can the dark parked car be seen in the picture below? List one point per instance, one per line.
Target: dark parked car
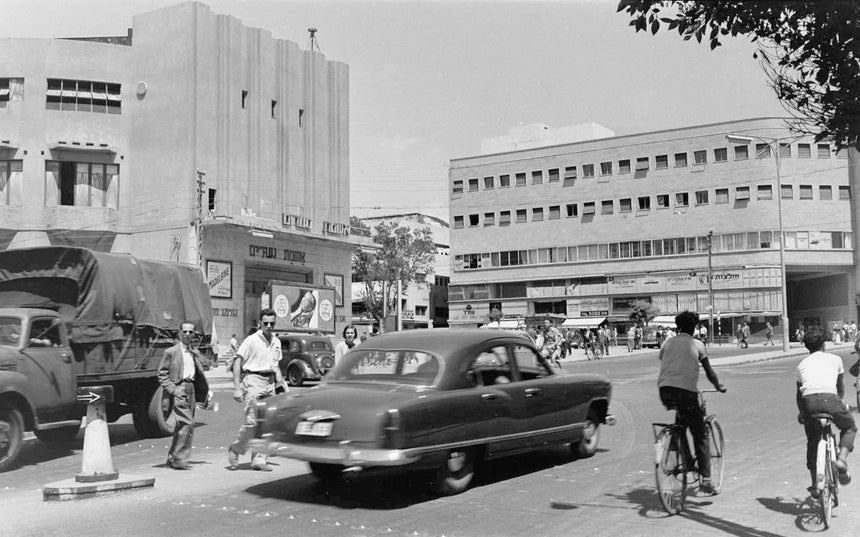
(305, 357)
(436, 399)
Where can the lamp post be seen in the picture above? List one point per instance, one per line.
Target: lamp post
(710, 239)
(775, 146)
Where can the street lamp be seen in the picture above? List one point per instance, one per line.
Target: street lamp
(710, 239)
(774, 145)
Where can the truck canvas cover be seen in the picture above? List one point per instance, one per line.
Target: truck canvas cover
(97, 293)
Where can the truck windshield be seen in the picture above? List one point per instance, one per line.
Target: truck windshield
(10, 330)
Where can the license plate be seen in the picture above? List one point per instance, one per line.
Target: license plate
(314, 428)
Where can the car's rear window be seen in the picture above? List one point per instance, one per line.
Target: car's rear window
(398, 367)
(320, 346)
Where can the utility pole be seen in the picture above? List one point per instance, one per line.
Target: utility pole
(710, 239)
(198, 219)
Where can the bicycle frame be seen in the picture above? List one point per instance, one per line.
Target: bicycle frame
(825, 472)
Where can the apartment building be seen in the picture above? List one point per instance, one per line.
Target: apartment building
(685, 219)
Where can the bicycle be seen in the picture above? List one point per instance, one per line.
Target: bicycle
(827, 484)
(674, 459)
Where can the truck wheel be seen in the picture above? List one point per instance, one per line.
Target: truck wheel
(294, 376)
(150, 420)
(11, 437)
(58, 435)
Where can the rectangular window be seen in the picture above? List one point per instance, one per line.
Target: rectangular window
(4, 92)
(588, 208)
(588, 170)
(457, 187)
(489, 219)
(644, 203)
(274, 108)
(682, 199)
(823, 150)
(642, 163)
(571, 210)
(701, 197)
(661, 162)
(553, 175)
(662, 201)
(504, 181)
(741, 152)
(537, 214)
(605, 168)
(81, 184)
(301, 113)
(785, 150)
(765, 239)
(825, 192)
(844, 192)
(570, 172)
(804, 151)
(680, 160)
(742, 193)
(474, 220)
(212, 197)
(458, 222)
(625, 205)
(489, 183)
(522, 216)
(537, 177)
(721, 154)
(83, 96)
(624, 166)
(787, 192)
(700, 157)
(762, 151)
(11, 182)
(505, 218)
(721, 195)
(244, 98)
(554, 212)
(521, 179)
(806, 192)
(764, 192)
(607, 207)
(473, 185)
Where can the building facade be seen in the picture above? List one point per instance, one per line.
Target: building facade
(194, 139)
(684, 219)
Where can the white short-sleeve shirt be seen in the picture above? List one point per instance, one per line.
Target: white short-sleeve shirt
(817, 373)
(259, 355)
(680, 357)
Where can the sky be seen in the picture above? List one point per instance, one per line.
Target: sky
(430, 79)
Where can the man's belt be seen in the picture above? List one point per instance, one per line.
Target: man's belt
(267, 374)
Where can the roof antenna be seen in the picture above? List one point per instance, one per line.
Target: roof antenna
(313, 42)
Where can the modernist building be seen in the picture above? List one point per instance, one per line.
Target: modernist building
(192, 122)
(585, 228)
(423, 304)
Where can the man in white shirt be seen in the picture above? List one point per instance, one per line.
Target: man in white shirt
(820, 391)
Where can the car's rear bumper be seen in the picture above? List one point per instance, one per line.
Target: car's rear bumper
(344, 454)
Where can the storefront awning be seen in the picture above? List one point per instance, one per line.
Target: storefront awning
(584, 322)
(663, 320)
(504, 324)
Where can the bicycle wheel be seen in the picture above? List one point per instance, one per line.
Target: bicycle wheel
(717, 443)
(826, 497)
(670, 471)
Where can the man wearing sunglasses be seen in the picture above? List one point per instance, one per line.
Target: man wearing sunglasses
(180, 374)
(256, 375)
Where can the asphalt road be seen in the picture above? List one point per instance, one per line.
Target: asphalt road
(548, 493)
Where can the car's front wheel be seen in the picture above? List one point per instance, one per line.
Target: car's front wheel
(456, 473)
(587, 445)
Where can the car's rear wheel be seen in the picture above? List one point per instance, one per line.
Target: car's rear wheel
(295, 376)
(328, 474)
(587, 445)
(456, 473)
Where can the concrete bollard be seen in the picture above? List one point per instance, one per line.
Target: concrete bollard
(97, 464)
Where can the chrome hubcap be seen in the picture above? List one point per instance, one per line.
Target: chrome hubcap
(456, 461)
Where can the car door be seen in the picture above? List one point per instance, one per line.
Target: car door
(48, 367)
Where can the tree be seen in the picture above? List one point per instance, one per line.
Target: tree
(809, 50)
(404, 254)
(641, 312)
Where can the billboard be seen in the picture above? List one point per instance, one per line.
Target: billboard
(302, 307)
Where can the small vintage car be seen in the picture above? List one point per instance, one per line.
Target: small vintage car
(305, 357)
(440, 399)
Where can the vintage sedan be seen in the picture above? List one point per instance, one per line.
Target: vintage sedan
(305, 357)
(438, 399)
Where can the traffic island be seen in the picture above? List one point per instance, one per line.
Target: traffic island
(97, 476)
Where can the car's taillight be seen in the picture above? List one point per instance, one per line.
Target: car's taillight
(393, 434)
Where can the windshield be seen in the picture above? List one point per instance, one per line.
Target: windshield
(10, 330)
(415, 368)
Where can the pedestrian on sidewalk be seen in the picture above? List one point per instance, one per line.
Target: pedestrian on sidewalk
(768, 334)
(256, 376)
(180, 374)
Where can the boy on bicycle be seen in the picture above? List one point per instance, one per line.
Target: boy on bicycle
(820, 391)
(678, 382)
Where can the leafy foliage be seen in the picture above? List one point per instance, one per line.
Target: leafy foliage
(641, 312)
(404, 254)
(809, 50)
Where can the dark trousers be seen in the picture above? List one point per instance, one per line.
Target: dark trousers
(183, 434)
(690, 415)
(826, 403)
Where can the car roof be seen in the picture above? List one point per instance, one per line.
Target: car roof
(303, 337)
(443, 341)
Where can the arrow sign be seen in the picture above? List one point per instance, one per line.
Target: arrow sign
(88, 398)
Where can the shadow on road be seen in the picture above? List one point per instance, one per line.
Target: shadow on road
(806, 512)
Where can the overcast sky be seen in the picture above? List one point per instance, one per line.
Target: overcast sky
(430, 79)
